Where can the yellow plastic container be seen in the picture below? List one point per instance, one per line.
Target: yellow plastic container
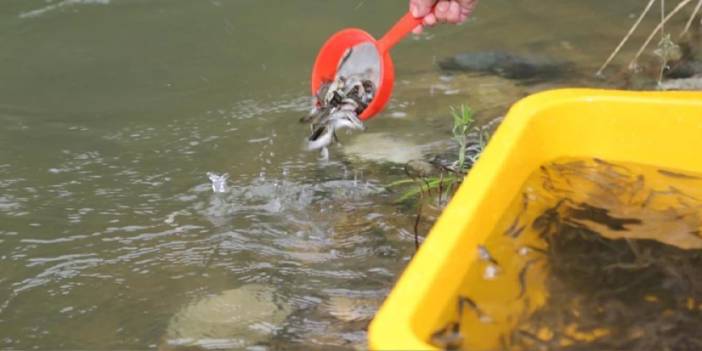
(654, 128)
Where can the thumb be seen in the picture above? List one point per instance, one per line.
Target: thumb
(420, 8)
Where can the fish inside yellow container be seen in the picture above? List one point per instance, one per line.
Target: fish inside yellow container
(579, 227)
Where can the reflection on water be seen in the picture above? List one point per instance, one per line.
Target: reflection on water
(596, 256)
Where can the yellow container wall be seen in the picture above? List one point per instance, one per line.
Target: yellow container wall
(654, 128)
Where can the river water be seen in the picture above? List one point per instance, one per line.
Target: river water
(113, 111)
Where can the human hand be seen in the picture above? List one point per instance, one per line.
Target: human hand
(446, 11)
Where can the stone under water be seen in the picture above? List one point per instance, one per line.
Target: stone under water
(233, 319)
(382, 147)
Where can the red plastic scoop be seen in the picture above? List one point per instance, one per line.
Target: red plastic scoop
(331, 53)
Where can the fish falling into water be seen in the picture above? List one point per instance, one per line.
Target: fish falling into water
(337, 105)
(219, 182)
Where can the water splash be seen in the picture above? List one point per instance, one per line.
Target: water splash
(219, 183)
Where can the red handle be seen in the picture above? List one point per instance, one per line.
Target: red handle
(403, 27)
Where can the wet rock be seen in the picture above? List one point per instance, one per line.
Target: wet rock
(638, 81)
(684, 69)
(382, 147)
(428, 95)
(346, 315)
(350, 309)
(505, 64)
(233, 319)
(693, 83)
(420, 169)
(689, 62)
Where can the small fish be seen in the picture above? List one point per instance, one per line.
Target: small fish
(316, 115)
(368, 86)
(219, 183)
(448, 337)
(336, 106)
(331, 92)
(334, 99)
(321, 137)
(322, 92)
(531, 336)
(527, 249)
(349, 105)
(485, 255)
(346, 119)
(676, 174)
(347, 123)
(515, 229)
(354, 86)
(356, 101)
(517, 232)
(522, 277)
(463, 301)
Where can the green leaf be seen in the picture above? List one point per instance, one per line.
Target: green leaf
(400, 182)
(429, 184)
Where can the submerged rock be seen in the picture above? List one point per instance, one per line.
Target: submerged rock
(231, 320)
(420, 169)
(348, 309)
(692, 83)
(382, 147)
(505, 64)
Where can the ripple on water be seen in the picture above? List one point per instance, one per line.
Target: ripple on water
(64, 270)
(250, 108)
(117, 226)
(59, 5)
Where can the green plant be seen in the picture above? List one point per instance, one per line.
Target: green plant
(470, 142)
(462, 122)
(442, 185)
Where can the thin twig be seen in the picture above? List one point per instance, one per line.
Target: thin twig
(658, 28)
(621, 43)
(452, 190)
(662, 18)
(426, 182)
(692, 18)
(664, 56)
(360, 3)
(441, 186)
(416, 226)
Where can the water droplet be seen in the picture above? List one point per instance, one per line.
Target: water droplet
(324, 154)
(485, 319)
(491, 272)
